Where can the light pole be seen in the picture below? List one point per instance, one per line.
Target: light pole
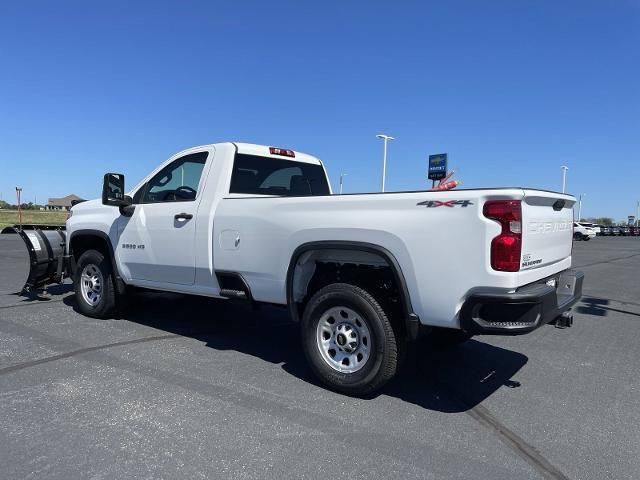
(342, 175)
(637, 213)
(564, 169)
(18, 191)
(580, 206)
(386, 138)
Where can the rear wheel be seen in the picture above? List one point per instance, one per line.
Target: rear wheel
(578, 236)
(94, 285)
(348, 340)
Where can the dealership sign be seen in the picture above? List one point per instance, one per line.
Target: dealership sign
(437, 166)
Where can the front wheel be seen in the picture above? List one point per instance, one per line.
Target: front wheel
(577, 236)
(348, 340)
(94, 285)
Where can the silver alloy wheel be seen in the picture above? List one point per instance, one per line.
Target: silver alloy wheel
(343, 339)
(91, 284)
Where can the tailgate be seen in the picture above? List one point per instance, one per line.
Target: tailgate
(547, 220)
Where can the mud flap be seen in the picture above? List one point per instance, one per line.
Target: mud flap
(46, 247)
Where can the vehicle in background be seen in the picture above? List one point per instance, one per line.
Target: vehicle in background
(615, 231)
(605, 230)
(582, 232)
(596, 228)
(625, 231)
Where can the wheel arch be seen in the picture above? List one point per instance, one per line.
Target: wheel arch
(410, 319)
(88, 239)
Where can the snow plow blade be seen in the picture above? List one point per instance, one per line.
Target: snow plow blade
(46, 245)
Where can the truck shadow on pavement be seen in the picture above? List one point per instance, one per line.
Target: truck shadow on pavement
(44, 295)
(446, 381)
(600, 307)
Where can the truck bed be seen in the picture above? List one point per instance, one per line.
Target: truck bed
(441, 240)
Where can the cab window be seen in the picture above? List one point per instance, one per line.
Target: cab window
(272, 176)
(177, 182)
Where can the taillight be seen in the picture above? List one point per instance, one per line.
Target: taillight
(506, 247)
(282, 151)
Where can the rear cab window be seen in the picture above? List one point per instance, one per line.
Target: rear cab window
(256, 175)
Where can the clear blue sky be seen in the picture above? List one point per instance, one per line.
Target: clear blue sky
(511, 89)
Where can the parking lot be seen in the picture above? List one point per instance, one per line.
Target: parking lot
(185, 387)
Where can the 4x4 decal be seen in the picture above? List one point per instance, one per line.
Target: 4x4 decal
(446, 203)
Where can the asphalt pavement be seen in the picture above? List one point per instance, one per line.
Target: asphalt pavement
(184, 387)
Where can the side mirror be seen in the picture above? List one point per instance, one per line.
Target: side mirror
(113, 190)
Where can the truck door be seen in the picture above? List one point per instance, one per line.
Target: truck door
(157, 243)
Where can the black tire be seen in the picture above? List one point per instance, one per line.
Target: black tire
(382, 364)
(586, 238)
(444, 338)
(577, 236)
(105, 307)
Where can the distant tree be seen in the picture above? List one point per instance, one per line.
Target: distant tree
(603, 221)
(4, 204)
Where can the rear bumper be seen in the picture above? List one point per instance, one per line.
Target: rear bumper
(495, 312)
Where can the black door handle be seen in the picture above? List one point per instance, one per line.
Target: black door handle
(185, 216)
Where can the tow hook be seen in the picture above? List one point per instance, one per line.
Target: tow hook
(564, 321)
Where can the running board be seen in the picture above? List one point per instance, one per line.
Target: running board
(233, 286)
(237, 294)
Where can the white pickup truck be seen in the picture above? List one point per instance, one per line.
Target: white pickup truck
(362, 273)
